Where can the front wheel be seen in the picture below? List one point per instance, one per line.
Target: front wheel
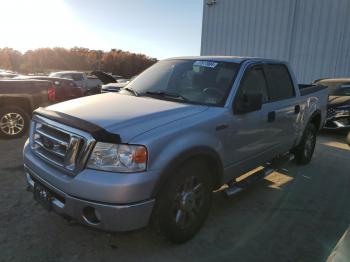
(184, 202)
(14, 122)
(306, 148)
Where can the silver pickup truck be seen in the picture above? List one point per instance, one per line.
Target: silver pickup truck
(155, 151)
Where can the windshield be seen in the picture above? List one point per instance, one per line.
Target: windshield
(201, 82)
(339, 90)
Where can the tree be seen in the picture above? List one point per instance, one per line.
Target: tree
(78, 58)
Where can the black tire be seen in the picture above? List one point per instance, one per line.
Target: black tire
(306, 148)
(14, 122)
(178, 216)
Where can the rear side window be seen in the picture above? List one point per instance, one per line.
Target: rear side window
(69, 76)
(77, 77)
(254, 83)
(280, 84)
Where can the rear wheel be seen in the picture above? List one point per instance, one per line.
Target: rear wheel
(14, 122)
(306, 148)
(184, 202)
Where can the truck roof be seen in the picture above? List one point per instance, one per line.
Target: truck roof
(19, 82)
(231, 59)
(22, 80)
(48, 78)
(68, 72)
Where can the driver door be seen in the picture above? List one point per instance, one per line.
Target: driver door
(252, 137)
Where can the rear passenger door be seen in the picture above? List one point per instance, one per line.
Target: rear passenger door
(283, 108)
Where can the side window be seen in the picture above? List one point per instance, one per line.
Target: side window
(280, 84)
(77, 77)
(254, 82)
(69, 76)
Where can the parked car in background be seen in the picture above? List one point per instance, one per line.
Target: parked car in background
(338, 111)
(113, 87)
(7, 74)
(157, 149)
(18, 99)
(66, 89)
(116, 77)
(110, 83)
(123, 80)
(90, 84)
(105, 78)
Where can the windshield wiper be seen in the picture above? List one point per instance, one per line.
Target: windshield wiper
(167, 94)
(130, 90)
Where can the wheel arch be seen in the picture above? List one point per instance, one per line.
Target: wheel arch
(200, 153)
(23, 103)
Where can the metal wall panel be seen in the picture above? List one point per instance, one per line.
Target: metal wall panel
(313, 35)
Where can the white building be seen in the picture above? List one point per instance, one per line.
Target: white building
(313, 35)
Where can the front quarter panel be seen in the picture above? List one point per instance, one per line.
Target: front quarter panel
(169, 142)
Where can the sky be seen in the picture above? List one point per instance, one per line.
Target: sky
(157, 28)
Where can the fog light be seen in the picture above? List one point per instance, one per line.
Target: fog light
(91, 216)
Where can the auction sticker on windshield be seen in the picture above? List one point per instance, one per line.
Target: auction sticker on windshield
(205, 64)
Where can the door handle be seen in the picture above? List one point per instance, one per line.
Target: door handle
(297, 109)
(271, 116)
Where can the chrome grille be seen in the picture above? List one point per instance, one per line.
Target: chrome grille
(59, 145)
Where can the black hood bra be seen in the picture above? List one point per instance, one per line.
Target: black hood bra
(97, 132)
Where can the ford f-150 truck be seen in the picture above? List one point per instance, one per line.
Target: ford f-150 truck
(154, 152)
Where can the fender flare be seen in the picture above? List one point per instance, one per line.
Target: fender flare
(23, 101)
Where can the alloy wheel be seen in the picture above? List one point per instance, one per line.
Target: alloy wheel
(188, 203)
(12, 124)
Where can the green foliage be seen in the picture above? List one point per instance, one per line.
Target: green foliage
(44, 60)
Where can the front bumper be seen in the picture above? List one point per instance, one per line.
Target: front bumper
(108, 217)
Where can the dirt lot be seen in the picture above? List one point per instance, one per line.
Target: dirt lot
(296, 214)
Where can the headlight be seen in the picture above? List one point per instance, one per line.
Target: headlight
(118, 158)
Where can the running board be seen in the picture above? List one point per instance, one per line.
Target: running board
(238, 186)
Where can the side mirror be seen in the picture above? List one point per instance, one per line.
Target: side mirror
(248, 103)
(348, 139)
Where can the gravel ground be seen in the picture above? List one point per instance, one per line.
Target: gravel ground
(295, 214)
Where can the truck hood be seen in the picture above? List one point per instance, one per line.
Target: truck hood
(126, 115)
